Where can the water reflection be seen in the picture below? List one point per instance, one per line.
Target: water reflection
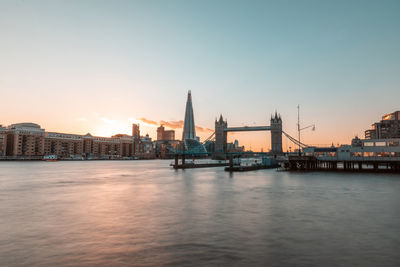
(145, 213)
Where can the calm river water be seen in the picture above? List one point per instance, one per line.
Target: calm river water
(143, 213)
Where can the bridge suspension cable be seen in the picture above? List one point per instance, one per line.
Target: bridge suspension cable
(210, 138)
(296, 142)
(293, 140)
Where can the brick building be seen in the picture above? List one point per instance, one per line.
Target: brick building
(29, 141)
(3, 139)
(165, 135)
(23, 139)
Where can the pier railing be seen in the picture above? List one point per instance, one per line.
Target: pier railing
(359, 158)
(354, 163)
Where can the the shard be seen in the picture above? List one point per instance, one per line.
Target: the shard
(189, 130)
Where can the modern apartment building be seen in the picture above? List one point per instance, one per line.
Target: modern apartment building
(388, 127)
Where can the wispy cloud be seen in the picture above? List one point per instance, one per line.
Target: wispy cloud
(151, 122)
(107, 120)
(204, 130)
(175, 125)
(82, 119)
(172, 124)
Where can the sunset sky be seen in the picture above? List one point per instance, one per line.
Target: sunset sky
(99, 66)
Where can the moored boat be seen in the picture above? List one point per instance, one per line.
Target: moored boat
(50, 158)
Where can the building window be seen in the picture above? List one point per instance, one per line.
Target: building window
(368, 154)
(393, 143)
(380, 143)
(383, 154)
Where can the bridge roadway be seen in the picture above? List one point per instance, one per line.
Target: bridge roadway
(247, 128)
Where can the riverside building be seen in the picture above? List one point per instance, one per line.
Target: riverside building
(30, 141)
(388, 127)
(165, 135)
(2, 140)
(379, 149)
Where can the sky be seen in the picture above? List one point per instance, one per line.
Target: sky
(99, 66)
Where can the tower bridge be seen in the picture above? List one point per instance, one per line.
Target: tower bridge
(192, 145)
(275, 127)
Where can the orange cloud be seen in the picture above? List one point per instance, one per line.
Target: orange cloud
(175, 125)
(148, 121)
(172, 124)
(204, 130)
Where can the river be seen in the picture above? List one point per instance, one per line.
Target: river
(144, 213)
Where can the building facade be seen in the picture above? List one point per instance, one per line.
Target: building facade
(145, 148)
(24, 140)
(30, 141)
(165, 135)
(136, 131)
(388, 127)
(359, 150)
(3, 139)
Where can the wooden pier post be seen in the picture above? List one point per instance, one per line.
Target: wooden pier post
(375, 166)
(176, 159)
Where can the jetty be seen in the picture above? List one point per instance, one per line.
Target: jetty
(354, 164)
(236, 164)
(182, 163)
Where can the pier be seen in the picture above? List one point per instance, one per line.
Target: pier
(183, 164)
(234, 163)
(265, 162)
(361, 155)
(199, 165)
(356, 164)
(244, 168)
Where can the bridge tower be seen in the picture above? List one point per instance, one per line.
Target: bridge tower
(276, 134)
(220, 135)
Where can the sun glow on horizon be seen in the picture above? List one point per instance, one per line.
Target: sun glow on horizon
(108, 129)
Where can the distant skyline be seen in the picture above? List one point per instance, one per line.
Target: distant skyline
(99, 66)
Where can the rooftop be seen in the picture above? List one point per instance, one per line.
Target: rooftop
(25, 125)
